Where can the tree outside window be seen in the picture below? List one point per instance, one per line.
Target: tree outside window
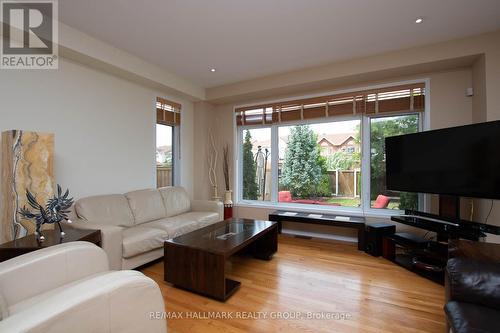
(315, 166)
(302, 170)
(381, 128)
(250, 188)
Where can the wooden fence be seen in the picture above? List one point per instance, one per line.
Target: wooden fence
(345, 183)
(163, 176)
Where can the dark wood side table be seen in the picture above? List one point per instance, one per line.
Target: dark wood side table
(52, 237)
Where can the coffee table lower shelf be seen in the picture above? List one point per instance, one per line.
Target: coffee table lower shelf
(231, 287)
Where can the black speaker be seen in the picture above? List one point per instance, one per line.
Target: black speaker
(374, 233)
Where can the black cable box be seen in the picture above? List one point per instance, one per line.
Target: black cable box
(411, 240)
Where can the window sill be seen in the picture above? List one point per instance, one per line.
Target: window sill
(347, 211)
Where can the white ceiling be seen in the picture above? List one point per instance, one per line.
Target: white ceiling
(245, 39)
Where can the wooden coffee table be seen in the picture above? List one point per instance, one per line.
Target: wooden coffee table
(196, 261)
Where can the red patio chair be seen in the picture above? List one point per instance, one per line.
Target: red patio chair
(284, 196)
(381, 202)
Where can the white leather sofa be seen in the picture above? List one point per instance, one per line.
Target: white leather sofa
(135, 225)
(69, 288)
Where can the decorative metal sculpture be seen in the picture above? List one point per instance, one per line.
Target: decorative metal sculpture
(213, 154)
(261, 158)
(55, 211)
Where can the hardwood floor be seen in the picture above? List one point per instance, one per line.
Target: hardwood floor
(317, 276)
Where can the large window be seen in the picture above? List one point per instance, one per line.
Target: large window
(326, 152)
(320, 163)
(168, 119)
(256, 167)
(164, 155)
(380, 128)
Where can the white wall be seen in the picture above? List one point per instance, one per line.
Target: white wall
(104, 126)
(204, 121)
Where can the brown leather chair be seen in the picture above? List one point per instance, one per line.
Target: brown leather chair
(472, 296)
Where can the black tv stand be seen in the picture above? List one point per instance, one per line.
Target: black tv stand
(417, 217)
(428, 257)
(422, 256)
(446, 228)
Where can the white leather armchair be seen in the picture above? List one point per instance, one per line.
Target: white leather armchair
(69, 288)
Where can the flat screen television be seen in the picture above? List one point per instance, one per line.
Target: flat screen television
(459, 161)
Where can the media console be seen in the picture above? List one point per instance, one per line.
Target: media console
(429, 219)
(418, 254)
(428, 257)
(446, 227)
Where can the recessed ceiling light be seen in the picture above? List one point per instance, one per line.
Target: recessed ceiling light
(213, 70)
(419, 20)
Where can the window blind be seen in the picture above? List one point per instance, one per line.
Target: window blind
(167, 112)
(396, 99)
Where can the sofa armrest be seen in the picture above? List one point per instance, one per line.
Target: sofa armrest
(473, 281)
(115, 302)
(111, 239)
(36, 272)
(208, 206)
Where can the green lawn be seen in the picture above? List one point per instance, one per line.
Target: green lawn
(350, 202)
(355, 202)
(393, 205)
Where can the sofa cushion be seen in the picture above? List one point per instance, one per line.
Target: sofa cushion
(140, 239)
(105, 209)
(474, 281)
(176, 200)
(175, 226)
(206, 218)
(184, 223)
(146, 205)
